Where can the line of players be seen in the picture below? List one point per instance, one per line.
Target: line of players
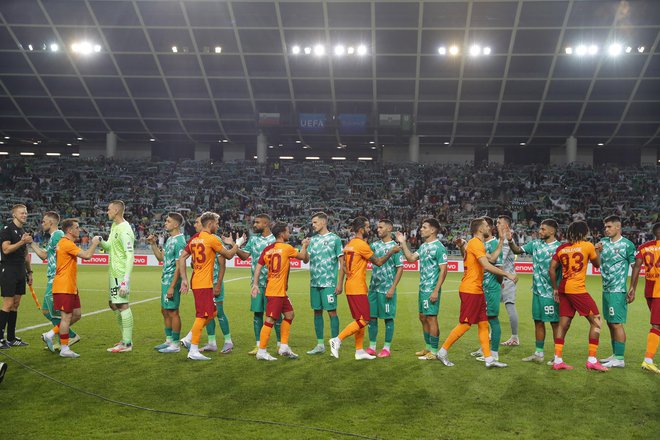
(558, 284)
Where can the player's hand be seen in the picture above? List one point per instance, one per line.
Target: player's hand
(240, 240)
(459, 242)
(631, 295)
(434, 297)
(151, 239)
(217, 289)
(170, 292)
(339, 289)
(389, 294)
(400, 237)
(599, 247)
(123, 289)
(513, 277)
(26, 239)
(255, 291)
(555, 295)
(228, 240)
(30, 279)
(305, 242)
(96, 240)
(184, 286)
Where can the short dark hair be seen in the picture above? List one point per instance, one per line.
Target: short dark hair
(656, 229)
(278, 228)
(263, 216)
(176, 217)
(207, 217)
(432, 223)
(577, 231)
(52, 214)
(322, 215)
(386, 221)
(475, 224)
(358, 223)
(488, 220)
(552, 223)
(506, 218)
(67, 223)
(612, 219)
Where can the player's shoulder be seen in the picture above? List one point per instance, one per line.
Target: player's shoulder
(648, 244)
(562, 246)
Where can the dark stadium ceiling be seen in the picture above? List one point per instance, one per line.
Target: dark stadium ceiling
(528, 89)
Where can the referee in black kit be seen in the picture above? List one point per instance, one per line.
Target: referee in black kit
(15, 270)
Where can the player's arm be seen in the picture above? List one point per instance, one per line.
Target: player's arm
(181, 270)
(461, 245)
(595, 260)
(158, 252)
(255, 282)
(493, 256)
(244, 254)
(89, 252)
(552, 272)
(28, 268)
(175, 278)
(397, 278)
(104, 245)
(228, 253)
(221, 275)
(441, 279)
(410, 256)
(379, 261)
(341, 273)
(634, 278)
(9, 248)
(42, 253)
(512, 243)
(303, 254)
(483, 260)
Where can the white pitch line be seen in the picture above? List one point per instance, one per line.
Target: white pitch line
(96, 312)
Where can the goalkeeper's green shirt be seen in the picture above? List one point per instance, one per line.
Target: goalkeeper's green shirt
(120, 248)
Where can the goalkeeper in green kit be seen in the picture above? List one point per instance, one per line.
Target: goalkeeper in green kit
(119, 246)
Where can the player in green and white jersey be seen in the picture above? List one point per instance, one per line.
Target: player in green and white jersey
(544, 307)
(261, 238)
(326, 256)
(432, 257)
(382, 288)
(49, 224)
(170, 297)
(120, 247)
(617, 253)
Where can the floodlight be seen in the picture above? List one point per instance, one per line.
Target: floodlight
(362, 49)
(475, 50)
(614, 49)
(339, 50)
(295, 50)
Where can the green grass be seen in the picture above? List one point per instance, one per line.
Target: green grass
(393, 398)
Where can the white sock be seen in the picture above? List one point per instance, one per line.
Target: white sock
(188, 337)
(64, 347)
(228, 340)
(262, 351)
(489, 359)
(442, 352)
(168, 340)
(538, 353)
(648, 360)
(284, 347)
(558, 360)
(360, 351)
(592, 359)
(514, 336)
(279, 344)
(50, 333)
(495, 354)
(372, 346)
(194, 348)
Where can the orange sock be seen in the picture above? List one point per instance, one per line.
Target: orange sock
(64, 339)
(56, 329)
(559, 347)
(285, 330)
(350, 329)
(482, 329)
(265, 334)
(197, 327)
(652, 341)
(359, 339)
(455, 334)
(593, 347)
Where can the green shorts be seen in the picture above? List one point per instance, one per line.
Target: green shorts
(323, 298)
(380, 306)
(114, 292)
(47, 305)
(544, 309)
(170, 304)
(493, 301)
(220, 298)
(426, 307)
(615, 307)
(258, 304)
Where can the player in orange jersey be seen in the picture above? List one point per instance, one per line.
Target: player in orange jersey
(204, 248)
(649, 255)
(471, 292)
(65, 285)
(356, 255)
(275, 257)
(571, 292)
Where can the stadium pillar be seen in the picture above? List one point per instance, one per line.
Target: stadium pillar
(571, 150)
(649, 156)
(110, 144)
(496, 155)
(413, 149)
(202, 152)
(262, 149)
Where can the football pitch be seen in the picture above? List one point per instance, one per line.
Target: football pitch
(145, 394)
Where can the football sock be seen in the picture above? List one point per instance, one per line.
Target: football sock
(373, 332)
(427, 341)
(455, 334)
(334, 326)
(559, 349)
(119, 320)
(11, 325)
(52, 332)
(389, 332)
(175, 336)
(223, 320)
(64, 340)
(210, 329)
(593, 347)
(619, 349)
(539, 346)
(286, 331)
(3, 323)
(482, 329)
(197, 327)
(318, 324)
(127, 326)
(652, 341)
(258, 323)
(168, 334)
(278, 329)
(495, 333)
(56, 321)
(350, 329)
(264, 335)
(513, 318)
(359, 339)
(435, 340)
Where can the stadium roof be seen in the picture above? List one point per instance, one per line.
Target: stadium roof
(202, 71)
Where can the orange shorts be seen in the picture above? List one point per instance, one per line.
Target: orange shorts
(473, 308)
(582, 303)
(359, 305)
(66, 302)
(204, 305)
(277, 305)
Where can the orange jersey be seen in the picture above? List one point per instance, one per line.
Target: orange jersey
(473, 273)
(357, 253)
(203, 248)
(276, 257)
(574, 259)
(66, 272)
(649, 253)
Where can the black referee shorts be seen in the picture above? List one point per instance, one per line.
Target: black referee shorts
(12, 280)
